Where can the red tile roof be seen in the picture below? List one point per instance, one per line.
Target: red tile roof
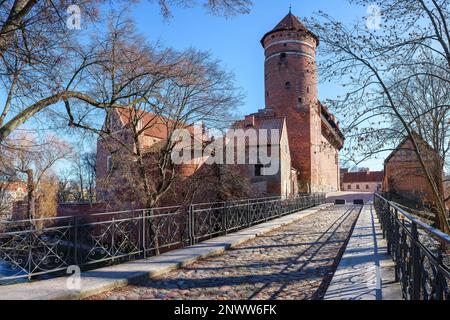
(156, 126)
(290, 23)
(371, 176)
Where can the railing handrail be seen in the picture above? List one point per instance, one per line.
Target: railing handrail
(100, 214)
(133, 236)
(436, 232)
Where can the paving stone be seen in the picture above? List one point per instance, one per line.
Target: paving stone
(294, 262)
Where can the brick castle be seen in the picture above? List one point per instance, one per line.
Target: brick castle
(308, 145)
(291, 93)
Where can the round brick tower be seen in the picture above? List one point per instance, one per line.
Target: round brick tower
(290, 65)
(291, 92)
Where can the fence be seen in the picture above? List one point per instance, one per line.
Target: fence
(420, 252)
(38, 247)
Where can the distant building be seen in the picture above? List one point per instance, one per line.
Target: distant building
(404, 175)
(363, 181)
(11, 193)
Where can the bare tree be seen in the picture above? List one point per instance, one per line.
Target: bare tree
(7, 178)
(43, 64)
(226, 8)
(378, 66)
(32, 160)
(195, 90)
(80, 182)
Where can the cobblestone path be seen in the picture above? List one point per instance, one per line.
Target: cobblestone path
(291, 263)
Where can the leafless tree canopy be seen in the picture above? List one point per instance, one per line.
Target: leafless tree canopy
(384, 69)
(225, 8)
(43, 63)
(31, 160)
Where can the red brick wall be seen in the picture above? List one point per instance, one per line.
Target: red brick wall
(404, 174)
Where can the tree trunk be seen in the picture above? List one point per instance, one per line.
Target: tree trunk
(31, 201)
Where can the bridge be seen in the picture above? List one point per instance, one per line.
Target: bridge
(303, 248)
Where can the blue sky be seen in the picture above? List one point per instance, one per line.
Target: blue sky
(235, 41)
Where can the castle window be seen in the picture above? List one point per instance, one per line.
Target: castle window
(349, 187)
(288, 85)
(357, 186)
(283, 55)
(367, 186)
(300, 100)
(307, 89)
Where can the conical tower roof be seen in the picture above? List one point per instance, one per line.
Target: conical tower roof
(290, 23)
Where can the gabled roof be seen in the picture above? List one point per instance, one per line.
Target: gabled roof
(290, 23)
(406, 139)
(156, 126)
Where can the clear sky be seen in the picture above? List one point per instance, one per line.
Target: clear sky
(236, 41)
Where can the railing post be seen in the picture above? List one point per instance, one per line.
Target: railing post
(440, 280)
(396, 244)
(389, 228)
(225, 219)
(144, 238)
(417, 273)
(191, 225)
(75, 228)
(249, 223)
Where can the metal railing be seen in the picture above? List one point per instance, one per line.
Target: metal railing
(33, 248)
(420, 252)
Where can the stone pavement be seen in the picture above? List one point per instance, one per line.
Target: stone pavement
(109, 278)
(365, 271)
(294, 262)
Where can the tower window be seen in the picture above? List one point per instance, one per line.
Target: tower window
(288, 85)
(307, 89)
(300, 100)
(283, 55)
